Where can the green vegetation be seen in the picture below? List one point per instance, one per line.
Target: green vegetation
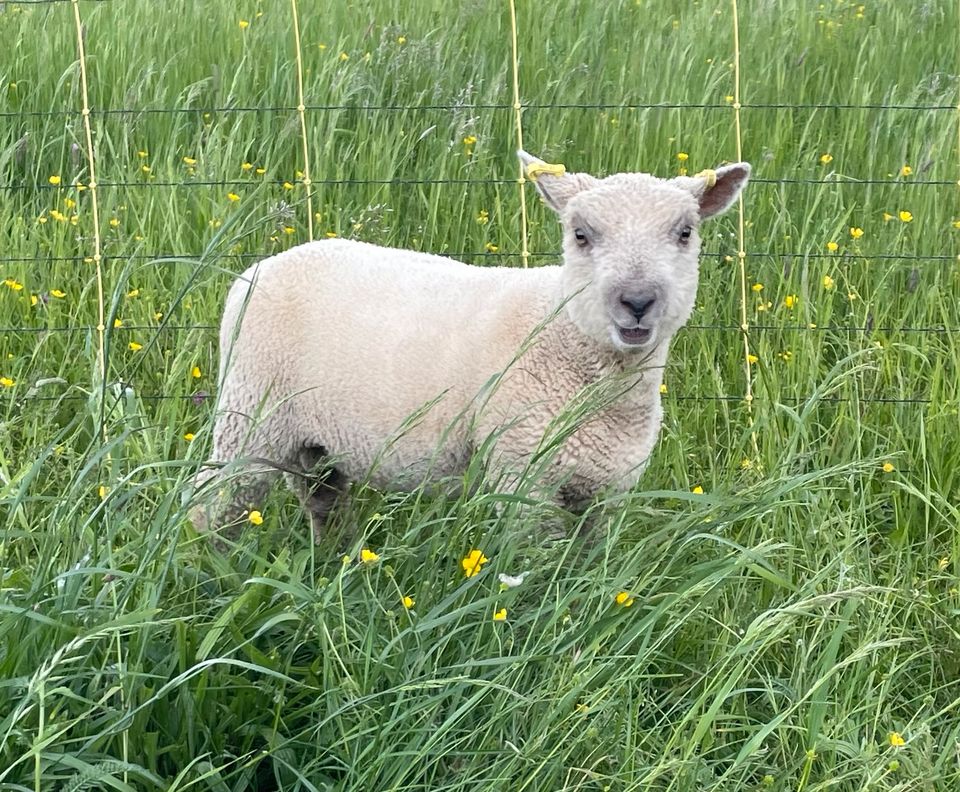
(789, 626)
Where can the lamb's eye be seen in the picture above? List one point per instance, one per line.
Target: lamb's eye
(581, 238)
(685, 233)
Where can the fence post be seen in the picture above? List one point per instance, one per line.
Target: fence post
(518, 113)
(301, 111)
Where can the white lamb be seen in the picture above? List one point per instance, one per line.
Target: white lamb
(329, 348)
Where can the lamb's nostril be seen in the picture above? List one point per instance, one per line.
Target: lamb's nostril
(638, 304)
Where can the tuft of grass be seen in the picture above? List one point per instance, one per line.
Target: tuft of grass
(784, 622)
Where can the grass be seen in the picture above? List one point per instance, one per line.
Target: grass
(785, 623)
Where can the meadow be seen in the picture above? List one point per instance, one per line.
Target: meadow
(774, 608)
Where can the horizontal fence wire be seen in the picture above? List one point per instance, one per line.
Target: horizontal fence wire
(782, 328)
(373, 108)
(840, 181)
(200, 398)
(175, 258)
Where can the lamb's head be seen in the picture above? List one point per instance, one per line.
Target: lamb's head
(630, 247)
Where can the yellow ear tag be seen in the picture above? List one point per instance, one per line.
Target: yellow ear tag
(709, 176)
(535, 169)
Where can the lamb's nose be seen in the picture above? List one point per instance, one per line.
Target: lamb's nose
(637, 304)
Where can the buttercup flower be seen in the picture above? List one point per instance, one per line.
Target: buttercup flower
(367, 556)
(663, 387)
(856, 232)
(698, 490)
(683, 156)
(906, 170)
(500, 615)
(472, 562)
(7, 382)
(244, 24)
(751, 359)
(255, 517)
(826, 159)
(188, 437)
(828, 282)
(409, 602)
(887, 217)
(905, 216)
(832, 247)
(195, 372)
(896, 740)
(757, 287)
(623, 598)
(791, 301)
(483, 217)
(888, 467)
(133, 346)
(233, 197)
(54, 180)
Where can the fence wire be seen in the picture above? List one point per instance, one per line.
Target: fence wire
(737, 255)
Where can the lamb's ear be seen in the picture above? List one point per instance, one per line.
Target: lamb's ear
(716, 191)
(554, 184)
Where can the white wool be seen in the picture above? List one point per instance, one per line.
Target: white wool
(329, 348)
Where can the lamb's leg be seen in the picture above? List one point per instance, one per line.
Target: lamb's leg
(243, 466)
(318, 487)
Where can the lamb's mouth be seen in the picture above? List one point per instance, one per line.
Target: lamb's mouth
(634, 336)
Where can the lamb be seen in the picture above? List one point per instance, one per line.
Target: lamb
(329, 348)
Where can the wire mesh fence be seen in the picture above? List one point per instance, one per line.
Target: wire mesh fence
(92, 130)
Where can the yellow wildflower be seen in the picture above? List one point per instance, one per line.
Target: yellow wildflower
(856, 232)
(746, 464)
(896, 740)
(145, 168)
(233, 197)
(906, 170)
(401, 39)
(13, 284)
(887, 217)
(472, 562)
(888, 467)
(255, 517)
(367, 556)
(330, 234)
(500, 615)
(6, 382)
(57, 293)
(832, 247)
(905, 216)
(682, 156)
(791, 301)
(698, 490)
(344, 56)
(188, 437)
(828, 282)
(189, 161)
(143, 154)
(133, 293)
(117, 323)
(409, 602)
(751, 359)
(247, 166)
(826, 159)
(54, 180)
(623, 598)
(663, 387)
(943, 563)
(133, 346)
(102, 491)
(490, 247)
(483, 217)
(69, 203)
(287, 185)
(34, 300)
(195, 372)
(956, 223)
(470, 140)
(114, 222)
(757, 287)
(260, 171)
(244, 24)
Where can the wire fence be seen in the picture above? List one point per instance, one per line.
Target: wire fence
(735, 252)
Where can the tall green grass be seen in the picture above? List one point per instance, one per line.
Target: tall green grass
(785, 624)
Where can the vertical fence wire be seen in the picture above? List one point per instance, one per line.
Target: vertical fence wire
(741, 243)
(94, 206)
(301, 111)
(101, 327)
(518, 113)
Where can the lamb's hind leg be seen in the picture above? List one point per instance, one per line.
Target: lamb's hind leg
(243, 466)
(318, 487)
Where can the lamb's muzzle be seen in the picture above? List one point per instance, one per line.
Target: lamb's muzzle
(310, 381)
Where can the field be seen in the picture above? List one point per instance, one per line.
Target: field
(791, 561)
